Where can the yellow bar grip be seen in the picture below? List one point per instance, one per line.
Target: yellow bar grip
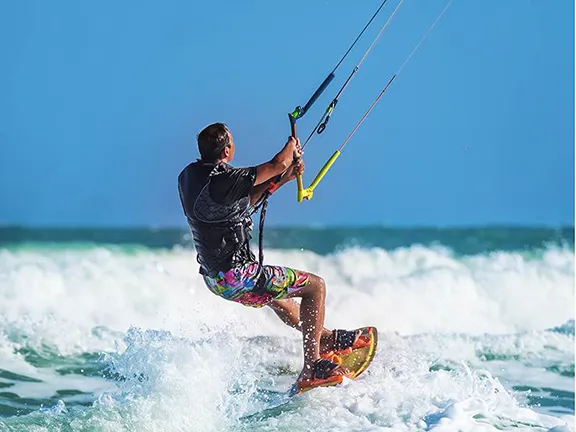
(309, 191)
(300, 187)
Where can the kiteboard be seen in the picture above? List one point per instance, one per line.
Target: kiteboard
(355, 360)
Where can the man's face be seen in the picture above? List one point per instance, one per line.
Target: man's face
(229, 151)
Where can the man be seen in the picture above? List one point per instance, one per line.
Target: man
(217, 199)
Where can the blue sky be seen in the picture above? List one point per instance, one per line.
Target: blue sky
(101, 103)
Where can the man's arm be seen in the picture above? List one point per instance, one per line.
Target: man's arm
(293, 170)
(279, 163)
(258, 190)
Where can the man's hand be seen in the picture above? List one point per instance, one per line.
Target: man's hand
(294, 145)
(296, 169)
(280, 163)
(290, 173)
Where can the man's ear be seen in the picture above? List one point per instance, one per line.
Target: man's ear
(226, 152)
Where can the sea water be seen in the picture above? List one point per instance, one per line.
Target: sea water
(111, 330)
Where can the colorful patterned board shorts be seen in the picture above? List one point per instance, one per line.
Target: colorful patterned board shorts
(239, 284)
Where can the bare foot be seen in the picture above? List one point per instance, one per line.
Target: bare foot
(306, 373)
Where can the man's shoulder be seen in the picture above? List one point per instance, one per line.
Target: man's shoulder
(229, 184)
(225, 170)
(194, 167)
(188, 167)
(221, 174)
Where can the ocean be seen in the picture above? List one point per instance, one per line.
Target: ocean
(114, 330)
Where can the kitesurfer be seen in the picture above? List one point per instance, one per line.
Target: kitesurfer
(216, 199)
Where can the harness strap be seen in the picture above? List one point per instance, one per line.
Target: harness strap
(263, 204)
(261, 232)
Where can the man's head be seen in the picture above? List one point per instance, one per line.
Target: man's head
(215, 143)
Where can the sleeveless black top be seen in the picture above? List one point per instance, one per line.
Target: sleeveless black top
(216, 203)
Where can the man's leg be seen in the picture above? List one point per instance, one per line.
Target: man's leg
(312, 309)
(283, 283)
(288, 311)
(312, 321)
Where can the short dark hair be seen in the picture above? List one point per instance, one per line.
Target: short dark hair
(212, 140)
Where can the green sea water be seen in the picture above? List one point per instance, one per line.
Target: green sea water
(320, 240)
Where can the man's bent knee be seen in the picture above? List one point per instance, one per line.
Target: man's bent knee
(315, 287)
(319, 283)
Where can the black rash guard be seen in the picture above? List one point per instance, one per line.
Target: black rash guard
(216, 202)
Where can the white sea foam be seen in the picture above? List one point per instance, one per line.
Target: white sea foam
(192, 361)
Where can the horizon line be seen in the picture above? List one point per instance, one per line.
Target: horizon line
(151, 227)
